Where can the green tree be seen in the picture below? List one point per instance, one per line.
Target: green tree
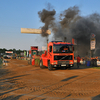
(3, 50)
(14, 50)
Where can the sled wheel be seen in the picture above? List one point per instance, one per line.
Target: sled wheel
(41, 64)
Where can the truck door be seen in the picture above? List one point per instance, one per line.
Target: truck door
(50, 53)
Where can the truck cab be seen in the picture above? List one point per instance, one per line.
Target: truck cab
(58, 54)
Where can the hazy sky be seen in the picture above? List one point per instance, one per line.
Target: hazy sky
(17, 14)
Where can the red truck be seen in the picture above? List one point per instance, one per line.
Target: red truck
(58, 54)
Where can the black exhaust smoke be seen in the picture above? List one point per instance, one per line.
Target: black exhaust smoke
(71, 25)
(46, 17)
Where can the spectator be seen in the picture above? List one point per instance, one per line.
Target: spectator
(5, 61)
(78, 61)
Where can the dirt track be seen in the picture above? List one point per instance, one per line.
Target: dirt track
(20, 81)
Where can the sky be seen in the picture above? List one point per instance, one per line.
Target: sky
(17, 14)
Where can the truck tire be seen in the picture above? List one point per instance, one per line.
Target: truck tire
(68, 68)
(50, 67)
(41, 64)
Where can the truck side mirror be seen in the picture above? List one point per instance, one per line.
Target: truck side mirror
(45, 52)
(50, 48)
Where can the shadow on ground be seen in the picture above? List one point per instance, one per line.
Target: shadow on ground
(3, 71)
(69, 78)
(12, 97)
(8, 83)
(96, 97)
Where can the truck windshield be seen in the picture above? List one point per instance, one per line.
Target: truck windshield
(62, 48)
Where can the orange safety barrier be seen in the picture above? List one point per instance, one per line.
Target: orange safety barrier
(33, 61)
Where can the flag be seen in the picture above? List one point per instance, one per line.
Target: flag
(93, 35)
(74, 41)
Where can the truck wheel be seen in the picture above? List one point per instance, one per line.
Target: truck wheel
(41, 64)
(50, 67)
(65, 67)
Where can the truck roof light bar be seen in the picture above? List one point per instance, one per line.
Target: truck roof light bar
(56, 41)
(63, 44)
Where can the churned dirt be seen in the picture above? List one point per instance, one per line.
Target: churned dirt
(21, 81)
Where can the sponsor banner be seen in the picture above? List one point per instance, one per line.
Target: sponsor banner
(92, 44)
(34, 47)
(93, 35)
(98, 63)
(39, 49)
(8, 51)
(22, 53)
(33, 31)
(25, 53)
(44, 48)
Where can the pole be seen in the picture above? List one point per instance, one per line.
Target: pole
(90, 48)
(65, 39)
(47, 43)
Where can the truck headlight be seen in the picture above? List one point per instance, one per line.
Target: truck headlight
(55, 63)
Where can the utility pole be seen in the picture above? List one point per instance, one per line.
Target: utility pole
(65, 39)
(47, 43)
(92, 44)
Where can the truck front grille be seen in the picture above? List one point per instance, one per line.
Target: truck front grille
(63, 62)
(69, 57)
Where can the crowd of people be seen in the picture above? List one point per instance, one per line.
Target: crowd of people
(4, 61)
